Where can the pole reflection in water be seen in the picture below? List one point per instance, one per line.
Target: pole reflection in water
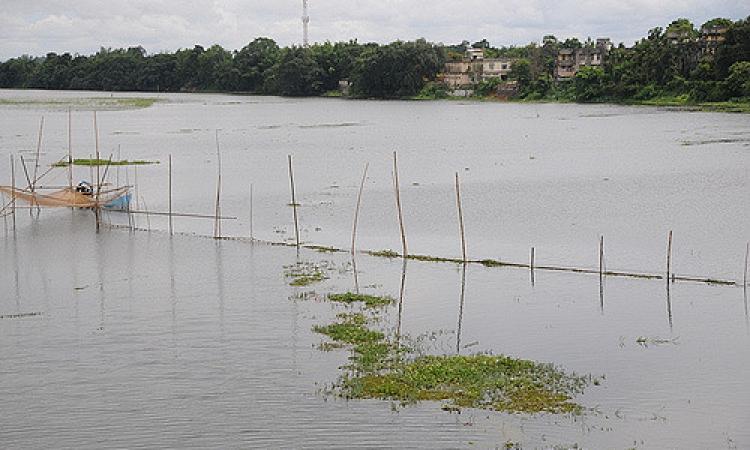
(172, 288)
(356, 275)
(219, 261)
(401, 303)
(669, 306)
(461, 309)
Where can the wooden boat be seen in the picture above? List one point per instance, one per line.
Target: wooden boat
(77, 197)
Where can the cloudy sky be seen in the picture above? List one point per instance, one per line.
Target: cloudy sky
(82, 26)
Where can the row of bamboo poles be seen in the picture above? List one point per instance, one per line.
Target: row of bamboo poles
(32, 181)
(670, 276)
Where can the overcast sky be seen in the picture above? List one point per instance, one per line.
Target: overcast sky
(36, 27)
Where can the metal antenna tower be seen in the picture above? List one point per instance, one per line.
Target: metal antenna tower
(305, 23)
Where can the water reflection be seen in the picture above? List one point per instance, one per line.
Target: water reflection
(401, 302)
(356, 275)
(669, 305)
(461, 308)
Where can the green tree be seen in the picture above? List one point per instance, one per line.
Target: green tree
(589, 84)
(296, 74)
(253, 63)
(738, 81)
(399, 69)
(736, 47)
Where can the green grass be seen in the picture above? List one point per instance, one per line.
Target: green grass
(370, 301)
(350, 329)
(384, 253)
(103, 162)
(103, 102)
(492, 382)
(304, 274)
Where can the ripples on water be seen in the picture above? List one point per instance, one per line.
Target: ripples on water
(138, 340)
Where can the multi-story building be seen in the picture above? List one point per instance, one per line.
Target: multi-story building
(475, 68)
(570, 60)
(712, 37)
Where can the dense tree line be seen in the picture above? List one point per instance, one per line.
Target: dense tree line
(671, 62)
(394, 70)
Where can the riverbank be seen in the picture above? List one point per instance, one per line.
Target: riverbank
(681, 103)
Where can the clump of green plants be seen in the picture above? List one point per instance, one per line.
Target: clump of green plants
(103, 162)
(305, 273)
(369, 301)
(490, 263)
(385, 253)
(324, 249)
(428, 258)
(383, 369)
(350, 329)
(499, 383)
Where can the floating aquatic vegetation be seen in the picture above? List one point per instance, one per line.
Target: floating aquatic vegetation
(20, 315)
(384, 253)
(306, 273)
(646, 341)
(380, 368)
(91, 102)
(103, 162)
(369, 301)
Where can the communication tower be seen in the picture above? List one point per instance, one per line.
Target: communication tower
(305, 23)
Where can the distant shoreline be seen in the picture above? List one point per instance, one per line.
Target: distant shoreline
(671, 103)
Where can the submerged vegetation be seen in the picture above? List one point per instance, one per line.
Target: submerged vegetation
(368, 301)
(305, 273)
(384, 253)
(103, 162)
(382, 368)
(91, 102)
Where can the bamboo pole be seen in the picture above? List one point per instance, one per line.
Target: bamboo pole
(744, 278)
(70, 151)
(136, 191)
(171, 232)
(26, 173)
(398, 205)
(531, 265)
(669, 256)
(356, 209)
(38, 152)
(294, 200)
(148, 216)
(252, 236)
(461, 219)
(117, 169)
(127, 183)
(99, 182)
(217, 210)
(177, 214)
(601, 256)
(13, 191)
(96, 146)
(30, 185)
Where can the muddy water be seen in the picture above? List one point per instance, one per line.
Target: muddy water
(142, 340)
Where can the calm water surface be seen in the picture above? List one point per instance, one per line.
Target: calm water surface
(147, 341)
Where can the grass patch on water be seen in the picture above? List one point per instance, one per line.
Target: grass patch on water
(370, 301)
(384, 253)
(350, 329)
(381, 369)
(88, 102)
(103, 162)
(305, 274)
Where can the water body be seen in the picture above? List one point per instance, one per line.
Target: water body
(135, 339)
